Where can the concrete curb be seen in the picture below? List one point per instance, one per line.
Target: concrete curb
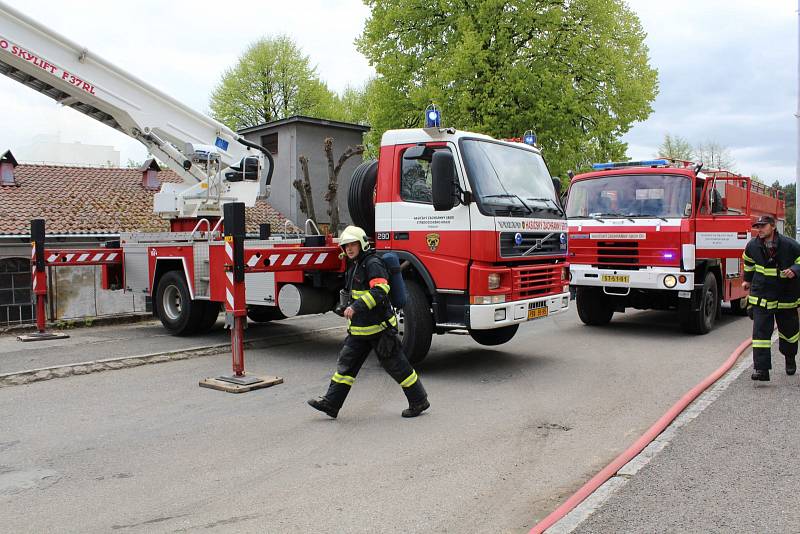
(19, 378)
(584, 510)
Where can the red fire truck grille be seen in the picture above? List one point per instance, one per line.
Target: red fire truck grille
(538, 281)
(618, 254)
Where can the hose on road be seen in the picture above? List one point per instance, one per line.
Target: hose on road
(652, 433)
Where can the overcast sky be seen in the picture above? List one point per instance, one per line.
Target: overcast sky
(728, 69)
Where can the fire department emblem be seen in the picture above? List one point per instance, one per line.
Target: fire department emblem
(433, 241)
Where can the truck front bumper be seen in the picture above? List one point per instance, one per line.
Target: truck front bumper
(488, 316)
(647, 278)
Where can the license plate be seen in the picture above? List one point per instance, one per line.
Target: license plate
(538, 312)
(617, 278)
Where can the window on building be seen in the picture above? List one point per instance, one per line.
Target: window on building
(6, 174)
(15, 291)
(270, 142)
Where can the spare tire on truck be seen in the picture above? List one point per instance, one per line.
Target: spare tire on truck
(361, 196)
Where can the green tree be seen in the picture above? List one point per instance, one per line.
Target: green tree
(790, 195)
(577, 73)
(675, 147)
(714, 156)
(272, 80)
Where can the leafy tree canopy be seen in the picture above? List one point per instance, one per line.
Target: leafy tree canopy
(272, 80)
(574, 71)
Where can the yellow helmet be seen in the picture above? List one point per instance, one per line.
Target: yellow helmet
(354, 234)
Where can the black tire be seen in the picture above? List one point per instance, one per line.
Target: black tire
(496, 336)
(264, 314)
(739, 306)
(594, 307)
(702, 321)
(416, 323)
(179, 314)
(361, 196)
(210, 315)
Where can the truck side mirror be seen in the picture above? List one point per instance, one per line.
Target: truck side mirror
(557, 185)
(443, 176)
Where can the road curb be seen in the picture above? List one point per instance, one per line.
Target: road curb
(19, 378)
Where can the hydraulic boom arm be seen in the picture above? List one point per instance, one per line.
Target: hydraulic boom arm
(217, 164)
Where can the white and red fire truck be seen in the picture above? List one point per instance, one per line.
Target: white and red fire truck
(663, 235)
(476, 221)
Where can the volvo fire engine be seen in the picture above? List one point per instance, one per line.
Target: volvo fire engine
(664, 235)
(477, 222)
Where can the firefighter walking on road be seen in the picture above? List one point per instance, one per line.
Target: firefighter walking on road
(372, 325)
(771, 270)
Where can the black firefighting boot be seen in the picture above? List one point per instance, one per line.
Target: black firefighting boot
(417, 400)
(332, 401)
(791, 365)
(761, 375)
(324, 405)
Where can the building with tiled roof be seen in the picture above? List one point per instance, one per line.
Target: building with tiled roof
(82, 207)
(97, 201)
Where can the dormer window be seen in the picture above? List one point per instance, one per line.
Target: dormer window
(7, 164)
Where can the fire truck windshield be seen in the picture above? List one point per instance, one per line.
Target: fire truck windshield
(509, 180)
(628, 195)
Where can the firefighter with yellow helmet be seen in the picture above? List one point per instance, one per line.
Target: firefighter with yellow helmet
(372, 325)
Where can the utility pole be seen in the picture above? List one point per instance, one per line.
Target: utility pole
(797, 117)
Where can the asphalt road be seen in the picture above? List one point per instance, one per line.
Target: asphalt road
(512, 431)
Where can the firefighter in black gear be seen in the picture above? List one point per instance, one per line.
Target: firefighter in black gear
(771, 270)
(372, 325)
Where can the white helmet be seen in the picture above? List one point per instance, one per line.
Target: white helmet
(354, 234)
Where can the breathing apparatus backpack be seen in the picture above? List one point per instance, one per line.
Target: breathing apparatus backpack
(397, 286)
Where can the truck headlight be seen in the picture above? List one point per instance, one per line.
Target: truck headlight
(487, 299)
(670, 281)
(494, 280)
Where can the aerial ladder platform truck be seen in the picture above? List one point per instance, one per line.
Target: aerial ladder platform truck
(476, 222)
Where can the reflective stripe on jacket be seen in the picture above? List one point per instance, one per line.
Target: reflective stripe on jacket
(769, 288)
(367, 280)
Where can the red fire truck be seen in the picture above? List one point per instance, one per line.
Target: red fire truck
(663, 235)
(476, 221)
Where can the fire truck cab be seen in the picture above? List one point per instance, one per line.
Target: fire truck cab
(478, 225)
(662, 235)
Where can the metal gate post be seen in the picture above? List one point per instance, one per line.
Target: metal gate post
(236, 306)
(39, 284)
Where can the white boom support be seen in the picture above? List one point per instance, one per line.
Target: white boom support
(217, 164)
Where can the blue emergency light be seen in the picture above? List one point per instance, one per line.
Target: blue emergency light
(529, 138)
(433, 117)
(623, 164)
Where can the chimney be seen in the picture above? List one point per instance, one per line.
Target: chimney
(7, 164)
(149, 170)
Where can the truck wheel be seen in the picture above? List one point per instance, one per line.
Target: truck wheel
(264, 314)
(594, 308)
(701, 321)
(415, 323)
(495, 336)
(179, 314)
(210, 315)
(739, 306)
(361, 196)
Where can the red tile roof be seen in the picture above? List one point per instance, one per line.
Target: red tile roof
(94, 200)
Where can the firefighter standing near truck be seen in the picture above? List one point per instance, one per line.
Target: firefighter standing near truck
(372, 325)
(771, 270)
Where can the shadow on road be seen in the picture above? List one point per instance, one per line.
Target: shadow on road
(656, 325)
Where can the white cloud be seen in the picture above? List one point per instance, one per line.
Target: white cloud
(727, 73)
